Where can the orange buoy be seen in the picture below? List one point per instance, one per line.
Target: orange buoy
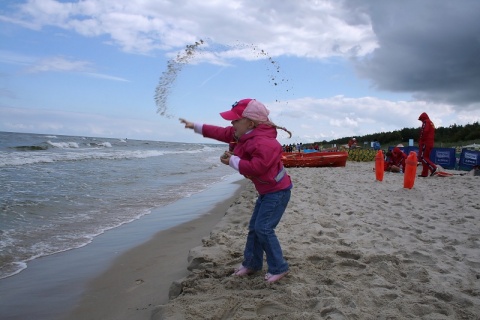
(410, 170)
(379, 165)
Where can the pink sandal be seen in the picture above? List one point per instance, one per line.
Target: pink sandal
(243, 271)
(271, 278)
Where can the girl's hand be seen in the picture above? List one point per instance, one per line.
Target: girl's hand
(188, 124)
(225, 158)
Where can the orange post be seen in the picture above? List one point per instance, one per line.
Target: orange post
(410, 170)
(379, 165)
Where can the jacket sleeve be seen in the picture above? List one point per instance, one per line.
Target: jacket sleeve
(402, 162)
(422, 132)
(427, 130)
(219, 133)
(430, 132)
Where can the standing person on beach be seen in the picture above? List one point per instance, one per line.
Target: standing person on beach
(352, 143)
(425, 145)
(255, 152)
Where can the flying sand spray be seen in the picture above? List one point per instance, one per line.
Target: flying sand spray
(191, 52)
(174, 66)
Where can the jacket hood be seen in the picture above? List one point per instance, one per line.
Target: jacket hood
(423, 117)
(396, 150)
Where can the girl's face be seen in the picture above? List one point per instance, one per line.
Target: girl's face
(242, 126)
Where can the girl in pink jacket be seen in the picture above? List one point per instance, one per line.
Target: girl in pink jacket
(255, 152)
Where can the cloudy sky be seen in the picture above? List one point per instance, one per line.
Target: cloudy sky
(325, 69)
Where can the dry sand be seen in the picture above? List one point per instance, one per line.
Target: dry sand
(357, 249)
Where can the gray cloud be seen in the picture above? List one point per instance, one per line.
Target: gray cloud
(430, 48)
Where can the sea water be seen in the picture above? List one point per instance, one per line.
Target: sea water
(59, 192)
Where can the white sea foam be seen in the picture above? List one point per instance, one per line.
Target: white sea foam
(63, 145)
(13, 269)
(22, 158)
(25, 158)
(101, 144)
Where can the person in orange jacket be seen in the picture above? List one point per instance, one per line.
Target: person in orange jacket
(352, 143)
(425, 145)
(396, 160)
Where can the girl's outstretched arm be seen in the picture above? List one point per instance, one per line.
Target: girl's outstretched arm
(188, 124)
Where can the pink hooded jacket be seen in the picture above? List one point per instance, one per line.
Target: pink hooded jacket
(260, 155)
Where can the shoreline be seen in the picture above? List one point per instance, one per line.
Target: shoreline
(140, 278)
(52, 286)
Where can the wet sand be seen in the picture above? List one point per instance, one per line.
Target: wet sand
(140, 279)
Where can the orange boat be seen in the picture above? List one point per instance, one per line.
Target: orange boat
(314, 159)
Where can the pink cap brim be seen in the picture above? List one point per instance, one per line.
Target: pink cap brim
(230, 115)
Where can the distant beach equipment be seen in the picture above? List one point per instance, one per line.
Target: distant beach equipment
(379, 165)
(410, 170)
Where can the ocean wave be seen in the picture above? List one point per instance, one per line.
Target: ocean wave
(63, 145)
(50, 151)
(20, 158)
(30, 148)
(101, 144)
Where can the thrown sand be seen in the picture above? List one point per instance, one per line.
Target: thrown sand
(357, 249)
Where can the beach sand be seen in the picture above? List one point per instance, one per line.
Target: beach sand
(357, 249)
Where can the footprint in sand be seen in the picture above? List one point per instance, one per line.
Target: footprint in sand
(348, 255)
(352, 264)
(269, 308)
(332, 313)
(135, 286)
(320, 260)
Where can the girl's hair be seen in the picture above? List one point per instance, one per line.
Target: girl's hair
(284, 129)
(269, 123)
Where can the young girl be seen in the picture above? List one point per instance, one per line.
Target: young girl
(255, 152)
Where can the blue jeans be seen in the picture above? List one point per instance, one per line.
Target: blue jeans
(268, 211)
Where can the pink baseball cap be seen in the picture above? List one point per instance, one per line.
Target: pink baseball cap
(247, 108)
